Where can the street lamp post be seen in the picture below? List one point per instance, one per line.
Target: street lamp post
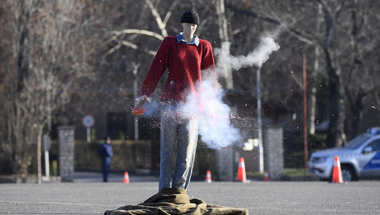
(135, 68)
(259, 130)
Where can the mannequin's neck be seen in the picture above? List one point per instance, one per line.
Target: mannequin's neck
(188, 37)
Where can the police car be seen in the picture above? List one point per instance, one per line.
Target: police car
(359, 158)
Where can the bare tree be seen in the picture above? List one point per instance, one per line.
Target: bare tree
(362, 74)
(349, 80)
(161, 24)
(49, 55)
(283, 13)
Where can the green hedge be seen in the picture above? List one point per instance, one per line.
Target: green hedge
(296, 159)
(127, 155)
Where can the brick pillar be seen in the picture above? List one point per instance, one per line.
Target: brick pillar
(66, 153)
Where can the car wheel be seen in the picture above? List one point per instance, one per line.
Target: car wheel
(348, 173)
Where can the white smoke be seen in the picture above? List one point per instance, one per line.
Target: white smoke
(214, 122)
(151, 107)
(256, 57)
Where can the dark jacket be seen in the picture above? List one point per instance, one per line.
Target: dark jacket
(105, 150)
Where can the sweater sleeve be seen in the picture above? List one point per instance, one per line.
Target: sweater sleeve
(157, 68)
(208, 66)
(208, 58)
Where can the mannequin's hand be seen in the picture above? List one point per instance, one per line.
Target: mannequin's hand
(140, 102)
(138, 110)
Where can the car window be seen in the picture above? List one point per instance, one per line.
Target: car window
(375, 145)
(357, 141)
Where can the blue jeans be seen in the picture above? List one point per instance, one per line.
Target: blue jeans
(106, 164)
(186, 139)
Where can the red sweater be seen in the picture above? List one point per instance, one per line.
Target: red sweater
(185, 64)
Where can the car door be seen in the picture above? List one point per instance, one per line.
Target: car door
(371, 169)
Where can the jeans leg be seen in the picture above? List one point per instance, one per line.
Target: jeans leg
(104, 171)
(106, 168)
(167, 141)
(187, 146)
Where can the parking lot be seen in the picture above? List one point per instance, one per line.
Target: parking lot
(258, 197)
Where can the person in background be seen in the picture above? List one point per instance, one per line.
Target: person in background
(105, 152)
(187, 58)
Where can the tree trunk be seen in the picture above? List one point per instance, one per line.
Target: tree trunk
(313, 97)
(356, 108)
(223, 34)
(356, 123)
(335, 133)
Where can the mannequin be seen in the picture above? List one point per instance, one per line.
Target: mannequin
(187, 58)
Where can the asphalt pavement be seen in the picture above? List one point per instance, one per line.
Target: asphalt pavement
(96, 177)
(88, 195)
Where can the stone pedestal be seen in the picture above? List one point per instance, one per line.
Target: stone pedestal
(274, 153)
(66, 153)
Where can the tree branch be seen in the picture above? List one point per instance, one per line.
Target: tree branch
(134, 46)
(169, 13)
(128, 44)
(296, 32)
(160, 24)
(253, 14)
(138, 31)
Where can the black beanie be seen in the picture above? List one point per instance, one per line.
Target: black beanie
(190, 16)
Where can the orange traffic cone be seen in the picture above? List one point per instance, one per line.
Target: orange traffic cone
(208, 176)
(266, 176)
(337, 173)
(241, 171)
(126, 177)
